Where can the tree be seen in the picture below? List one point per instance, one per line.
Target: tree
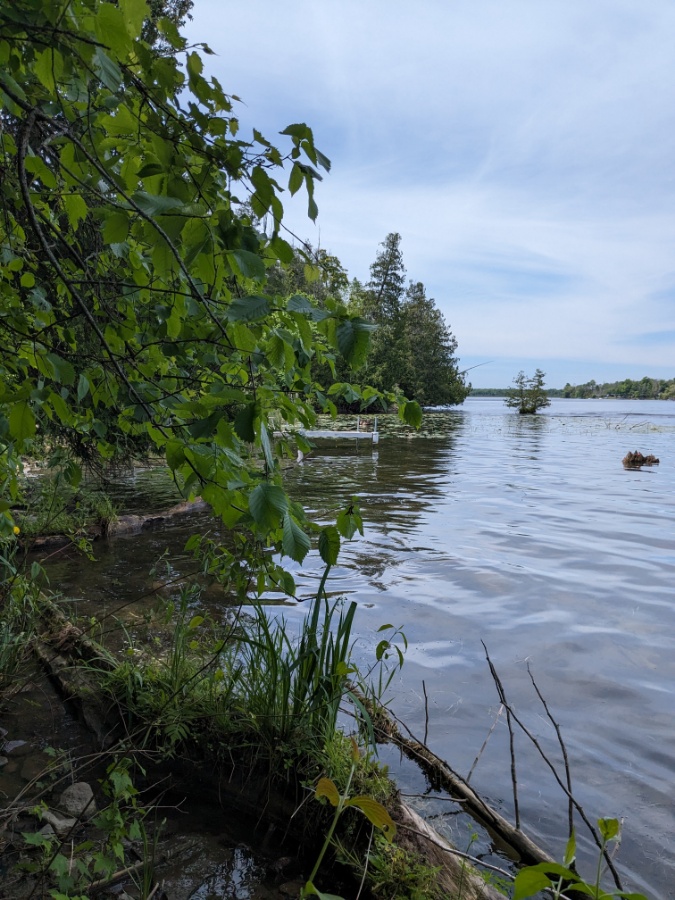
(528, 396)
(133, 301)
(431, 374)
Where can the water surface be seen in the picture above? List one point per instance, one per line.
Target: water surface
(525, 533)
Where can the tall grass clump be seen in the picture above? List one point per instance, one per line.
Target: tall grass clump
(19, 611)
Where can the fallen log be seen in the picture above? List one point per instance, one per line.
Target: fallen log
(522, 848)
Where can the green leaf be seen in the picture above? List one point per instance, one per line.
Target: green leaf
(248, 264)
(299, 303)
(609, 828)
(353, 341)
(21, 421)
(296, 179)
(150, 169)
(266, 446)
(329, 545)
(112, 30)
(295, 542)
(570, 849)
(244, 423)
(267, 504)
(108, 71)
(248, 309)
(529, 882)
(76, 208)
(410, 412)
(155, 204)
(134, 13)
(116, 228)
(175, 455)
(326, 788)
(375, 813)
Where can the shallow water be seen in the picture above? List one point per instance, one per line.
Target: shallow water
(525, 533)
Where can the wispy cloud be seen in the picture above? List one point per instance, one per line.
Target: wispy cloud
(524, 151)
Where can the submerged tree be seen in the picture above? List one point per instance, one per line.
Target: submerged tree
(528, 395)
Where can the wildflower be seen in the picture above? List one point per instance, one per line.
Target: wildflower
(16, 529)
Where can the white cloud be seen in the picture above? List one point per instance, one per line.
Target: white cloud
(524, 151)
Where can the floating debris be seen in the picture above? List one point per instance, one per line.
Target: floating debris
(636, 460)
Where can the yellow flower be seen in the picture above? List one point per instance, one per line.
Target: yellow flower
(16, 529)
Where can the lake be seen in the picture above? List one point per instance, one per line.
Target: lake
(528, 534)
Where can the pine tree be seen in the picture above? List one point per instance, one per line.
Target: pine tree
(381, 304)
(431, 374)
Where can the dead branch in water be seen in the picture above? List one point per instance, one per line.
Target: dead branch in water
(565, 788)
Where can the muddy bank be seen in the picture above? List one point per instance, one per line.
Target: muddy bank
(231, 806)
(127, 524)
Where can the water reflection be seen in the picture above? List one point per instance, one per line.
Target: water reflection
(526, 533)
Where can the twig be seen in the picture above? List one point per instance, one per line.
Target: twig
(512, 751)
(489, 735)
(426, 712)
(568, 775)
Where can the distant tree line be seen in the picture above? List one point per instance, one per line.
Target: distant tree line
(645, 389)
(504, 392)
(412, 348)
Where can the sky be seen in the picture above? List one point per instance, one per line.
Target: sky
(525, 152)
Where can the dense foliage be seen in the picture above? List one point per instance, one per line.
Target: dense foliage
(412, 348)
(134, 300)
(645, 389)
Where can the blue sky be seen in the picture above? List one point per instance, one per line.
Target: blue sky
(525, 151)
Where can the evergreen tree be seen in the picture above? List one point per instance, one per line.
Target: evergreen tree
(381, 305)
(431, 374)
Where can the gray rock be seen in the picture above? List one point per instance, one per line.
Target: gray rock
(47, 830)
(78, 800)
(3, 761)
(17, 748)
(60, 824)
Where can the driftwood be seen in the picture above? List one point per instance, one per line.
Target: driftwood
(512, 839)
(636, 460)
(130, 524)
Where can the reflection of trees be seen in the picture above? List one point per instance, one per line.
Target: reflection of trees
(527, 434)
(395, 486)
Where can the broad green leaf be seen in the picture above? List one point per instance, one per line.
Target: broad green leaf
(353, 341)
(157, 204)
(21, 421)
(83, 387)
(116, 228)
(267, 504)
(266, 446)
(529, 882)
(175, 455)
(295, 542)
(248, 264)
(326, 788)
(375, 813)
(410, 412)
(329, 545)
(108, 70)
(111, 29)
(76, 208)
(248, 309)
(134, 13)
(244, 423)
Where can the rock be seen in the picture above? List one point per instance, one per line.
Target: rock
(60, 824)
(3, 761)
(17, 748)
(291, 888)
(47, 830)
(78, 800)
(35, 766)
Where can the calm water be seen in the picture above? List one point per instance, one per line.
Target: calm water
(527, 534)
